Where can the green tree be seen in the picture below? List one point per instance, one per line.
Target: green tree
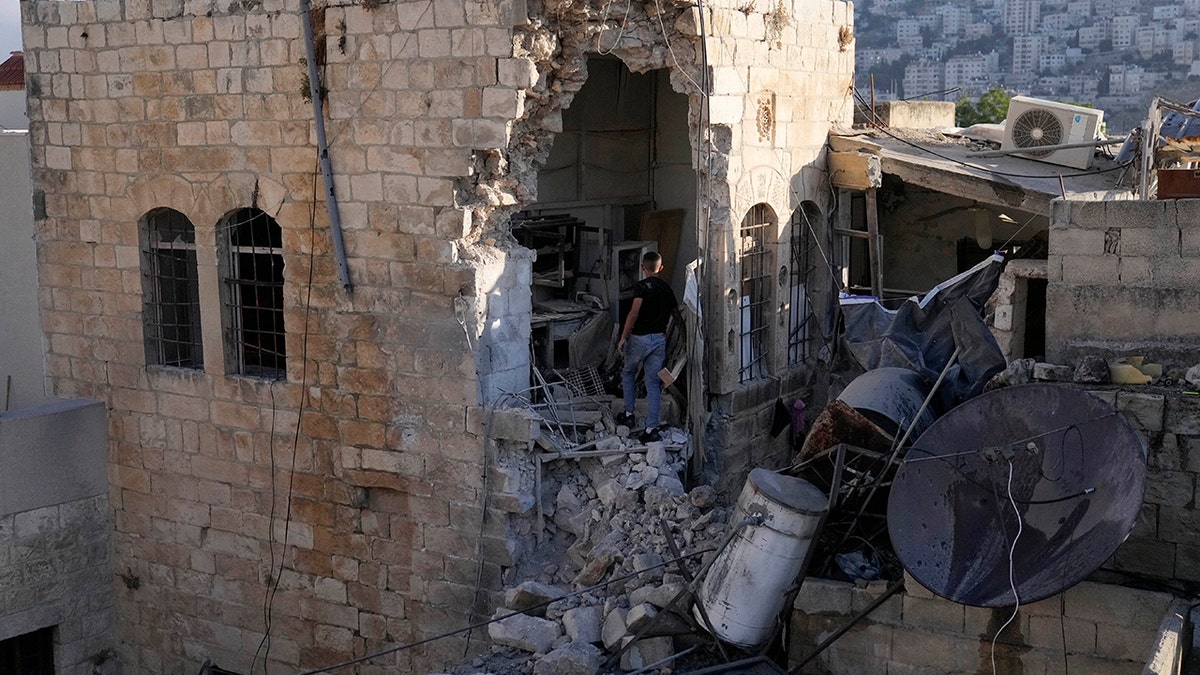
(992, 107)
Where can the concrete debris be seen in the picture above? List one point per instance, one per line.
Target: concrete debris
(524, 632)
(529, 594)
(1017, 372)
(1091, 370)
(1193, 376)
(573, 658)
(604, 517)
(1048, 372)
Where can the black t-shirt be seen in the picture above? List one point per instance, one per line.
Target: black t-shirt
(657, 301)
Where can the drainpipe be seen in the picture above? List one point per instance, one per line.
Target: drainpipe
(314, 90)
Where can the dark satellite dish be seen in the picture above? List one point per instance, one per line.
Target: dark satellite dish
(1078, 476)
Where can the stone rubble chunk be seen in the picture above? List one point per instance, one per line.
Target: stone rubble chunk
(639, 617)
(597, 568)
(583, 623)
(647, 651)
(661, 596)
(704, 496)
(1048, 372)
(608, 492)
(529, 594)
(573, 658)
(614, 628)
(656, 455)
(1091, 370)
(608, 443)
(671, 484)
(1193, 376)
(650, 563)
(524, 632)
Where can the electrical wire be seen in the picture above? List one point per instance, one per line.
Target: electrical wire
(1011, 567)
(264, 645)
(582, 591)
(662, 27)
(994, 171)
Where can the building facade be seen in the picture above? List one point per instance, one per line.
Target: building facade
(297, 470)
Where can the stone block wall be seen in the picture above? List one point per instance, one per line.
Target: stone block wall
(354, 487)
(1092, 628)
(1124, 278)
(56, 570)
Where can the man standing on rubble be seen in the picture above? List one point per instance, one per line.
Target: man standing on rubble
(644, 342)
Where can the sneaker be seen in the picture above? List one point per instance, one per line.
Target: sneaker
(649, 436)
(625, 419)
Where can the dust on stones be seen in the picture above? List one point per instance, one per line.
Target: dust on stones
(602, 543)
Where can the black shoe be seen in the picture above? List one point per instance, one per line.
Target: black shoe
(649, 436)
(625, 419)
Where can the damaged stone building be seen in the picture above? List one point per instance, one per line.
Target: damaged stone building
(297, 378)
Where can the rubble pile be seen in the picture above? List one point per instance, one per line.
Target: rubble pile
(602, 544)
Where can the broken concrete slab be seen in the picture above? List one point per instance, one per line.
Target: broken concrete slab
(573, 658)
(583, 623)
(1092, 370)
(647, 651)
(597, 568)
(531, 594)
(524, 632)
(615, 627)
(1048, 372)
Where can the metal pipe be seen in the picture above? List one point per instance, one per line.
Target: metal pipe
(314, 91)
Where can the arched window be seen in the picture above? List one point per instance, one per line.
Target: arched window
(252, 288)
(171, 298)
(754, 237)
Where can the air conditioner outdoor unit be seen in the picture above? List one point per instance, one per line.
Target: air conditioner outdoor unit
(1033, 123)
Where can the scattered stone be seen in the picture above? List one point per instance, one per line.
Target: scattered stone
(583, 623)
(615, 628)
(597, 568)
(704, 496)
(671, 484)
(647, 651)
(573, 658)
(1048, 372)
(530, 594)
(1092, 370)
(656, 455)
(1193, 376)
(1017, 372)
(650, 563)
(640, 616)
(524, 632)
(661, 596)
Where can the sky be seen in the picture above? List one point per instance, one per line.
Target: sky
(10, 27)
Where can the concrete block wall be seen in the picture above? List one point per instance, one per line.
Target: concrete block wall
(1124, 275)
(1107, 629)
(56, 570)
(439, 114)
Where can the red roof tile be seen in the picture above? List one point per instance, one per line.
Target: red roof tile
(12, 72)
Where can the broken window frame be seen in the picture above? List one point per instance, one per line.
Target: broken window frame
(754, 294)
(170, 291)
(252, 294)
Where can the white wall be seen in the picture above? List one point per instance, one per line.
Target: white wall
(21, 354)
(12, 111)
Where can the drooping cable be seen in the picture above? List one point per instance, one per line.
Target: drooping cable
(1012, 579)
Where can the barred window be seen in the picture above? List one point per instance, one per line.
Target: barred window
(252, 275)
(754, 262)
(804, 222)
(171, 302)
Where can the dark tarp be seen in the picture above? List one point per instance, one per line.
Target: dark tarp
(922, 334)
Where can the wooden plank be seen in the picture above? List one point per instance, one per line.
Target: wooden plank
(874, 243)
(855, 170)
(665, 228)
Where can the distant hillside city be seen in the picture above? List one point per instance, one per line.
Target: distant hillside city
(1114, 55)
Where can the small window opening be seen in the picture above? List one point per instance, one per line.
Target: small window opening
(253, 287)
(753, 261)
(29, 654)
(171, 307)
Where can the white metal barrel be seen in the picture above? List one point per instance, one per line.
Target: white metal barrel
(745, 586)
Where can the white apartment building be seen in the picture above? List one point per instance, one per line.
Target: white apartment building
(1090, 37)
(1022, 17)
(924, 77)
(1124, 30)
(1027, 52)
(974, 74)
(908, 34)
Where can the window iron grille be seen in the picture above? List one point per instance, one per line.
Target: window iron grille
(754, 301)
(171, 308)
(253, 294)
(799, 271)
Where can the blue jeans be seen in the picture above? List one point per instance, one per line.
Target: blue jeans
(649, 351)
